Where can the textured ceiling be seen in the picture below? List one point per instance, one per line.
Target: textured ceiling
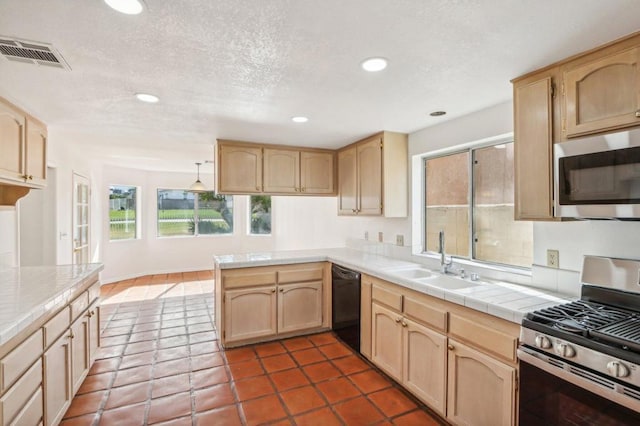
(241, 69)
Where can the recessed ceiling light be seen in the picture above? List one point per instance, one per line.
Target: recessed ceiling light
(145, 97)
(437, 113)
(129, 7)
(299, 119)
(374, 64)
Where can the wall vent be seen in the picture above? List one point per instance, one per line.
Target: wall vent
(31, 53)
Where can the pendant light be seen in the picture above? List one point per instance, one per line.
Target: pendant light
(197, 186)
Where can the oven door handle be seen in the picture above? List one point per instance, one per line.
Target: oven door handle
(538, 360)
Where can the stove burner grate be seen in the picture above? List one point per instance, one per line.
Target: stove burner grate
(625, 333)
(579, 317)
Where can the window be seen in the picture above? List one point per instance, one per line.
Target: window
(122, 212)
(483, 229)
(260, 214)
(184, 213)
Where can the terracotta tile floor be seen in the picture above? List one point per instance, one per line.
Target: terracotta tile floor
(160, 363)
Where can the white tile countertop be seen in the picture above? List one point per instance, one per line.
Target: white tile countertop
(499, 298)
(28, 293)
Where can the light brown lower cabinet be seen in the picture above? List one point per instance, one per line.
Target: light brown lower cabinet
(481, 389)
(410, 353)
(250, 313)
(41, 373)
(459, 362)
(265, 303)
(299, 306)
(57, 379)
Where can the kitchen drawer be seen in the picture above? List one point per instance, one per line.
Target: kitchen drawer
(248, 278)
(483, 336)
(387, 297)
(21, 394)
(79, 305)
(94, 292)
(301, 273)
(425, 314)
(19, 360)
(56, 326)
(32, 413)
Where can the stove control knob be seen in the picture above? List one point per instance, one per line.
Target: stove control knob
(565, 350)
(617, 369)
(543, 342)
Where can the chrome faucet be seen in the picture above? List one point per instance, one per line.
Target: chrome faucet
(445, 264)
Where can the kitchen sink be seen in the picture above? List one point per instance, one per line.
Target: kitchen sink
(412, 272)
(448, 283)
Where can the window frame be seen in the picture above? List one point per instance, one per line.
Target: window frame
(138, 210)
(470, 148)
(195, 216)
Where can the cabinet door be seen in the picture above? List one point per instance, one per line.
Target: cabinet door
(239, 169)
(533, 150)
(481, 389)
(425, 364)
(386, 340)
(11, 144)
(94, 330)
(316, 172)
(365, 316)
(57, 379)
(370, 177)
(299, 306)
(36, 152)
(603, 94)
(80, 359)
(347, 182)
(281, 171)
(250, 313)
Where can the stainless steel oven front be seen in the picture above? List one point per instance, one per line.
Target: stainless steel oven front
(598, 176)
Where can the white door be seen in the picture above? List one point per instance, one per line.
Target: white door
(80, 225)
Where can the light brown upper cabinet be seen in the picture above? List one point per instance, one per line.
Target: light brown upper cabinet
(23, 153)
(295, 171)
(239, 168)
(533, 167)
(603, 93)
(372, 176)
(593, 92)
(249, 168)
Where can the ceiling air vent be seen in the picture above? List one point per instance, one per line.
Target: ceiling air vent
(31, 53)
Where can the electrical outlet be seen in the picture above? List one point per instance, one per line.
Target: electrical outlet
(553, 258)
(366, 235)
(380, 237)
(400, 240)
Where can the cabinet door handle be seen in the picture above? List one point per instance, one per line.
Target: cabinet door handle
(71, 335)
(273, 290)
(404, 324)
(638, 113)
(303, 189)
(398, 319)
(257, 188)
(450, 347)
(30, 177)
(281, 290)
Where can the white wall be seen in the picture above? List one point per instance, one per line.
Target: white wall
(297, 223)
(8, 237)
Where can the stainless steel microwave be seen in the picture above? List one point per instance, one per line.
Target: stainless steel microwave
(598, 177)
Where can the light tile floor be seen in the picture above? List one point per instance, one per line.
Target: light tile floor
(160, 363)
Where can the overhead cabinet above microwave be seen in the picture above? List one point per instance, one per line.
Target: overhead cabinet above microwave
(595, 92)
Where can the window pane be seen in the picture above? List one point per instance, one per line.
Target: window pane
(122, 212)
(215, 213)
(260, 214)
(447, 205)
(498, 237)
(175, 212)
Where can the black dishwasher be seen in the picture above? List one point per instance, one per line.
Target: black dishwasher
(345, 302)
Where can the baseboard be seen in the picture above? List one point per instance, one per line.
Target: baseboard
(112, 280)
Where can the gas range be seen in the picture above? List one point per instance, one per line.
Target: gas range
(593, 342)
